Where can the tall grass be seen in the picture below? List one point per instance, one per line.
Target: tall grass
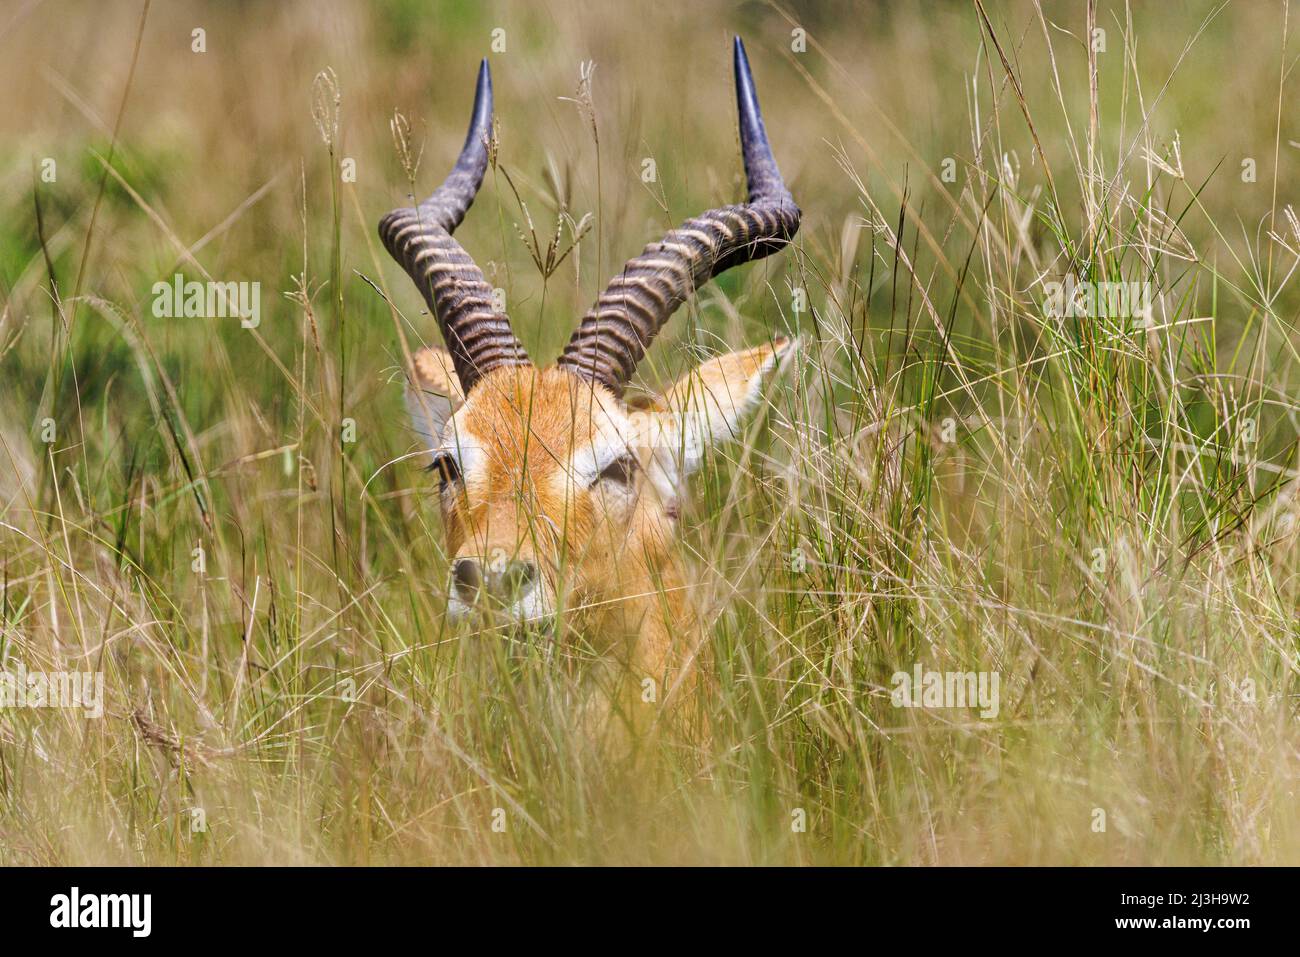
(1101, 511)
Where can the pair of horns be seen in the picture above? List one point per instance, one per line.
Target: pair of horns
(614, 336)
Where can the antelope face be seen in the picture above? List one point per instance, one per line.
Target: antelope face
(554, 491)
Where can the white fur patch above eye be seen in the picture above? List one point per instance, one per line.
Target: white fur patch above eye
(462, 446)
(587, 464)
(614, 437)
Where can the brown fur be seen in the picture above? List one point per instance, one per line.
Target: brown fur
(605, 548)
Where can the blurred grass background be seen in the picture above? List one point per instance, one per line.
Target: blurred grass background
(970, 483)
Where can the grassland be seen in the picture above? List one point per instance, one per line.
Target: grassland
(1104, 512)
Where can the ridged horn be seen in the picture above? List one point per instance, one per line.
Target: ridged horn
(478, 337)
(613, 337)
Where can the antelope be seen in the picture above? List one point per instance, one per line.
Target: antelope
(557, 491)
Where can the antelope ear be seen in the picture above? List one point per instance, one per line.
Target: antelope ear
(433, 393)
(711, 403)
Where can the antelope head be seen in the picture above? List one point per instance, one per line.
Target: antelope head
(554, 490)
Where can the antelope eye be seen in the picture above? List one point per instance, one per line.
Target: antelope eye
(446, 468)
(621, 470)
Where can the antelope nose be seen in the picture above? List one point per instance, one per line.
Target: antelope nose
(504, 581)
(511, 580)
(466, 577)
